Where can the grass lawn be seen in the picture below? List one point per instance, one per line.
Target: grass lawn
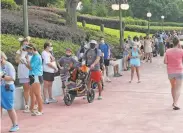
(112, 32)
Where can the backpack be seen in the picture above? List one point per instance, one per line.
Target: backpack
(101, 58)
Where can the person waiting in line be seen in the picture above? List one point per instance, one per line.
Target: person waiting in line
(125, 55)
(174, 61)
(36, 79)
(148, 48)
(49, 70)
(92, 59)
(23, 71)
(8, 75)
(135, 62)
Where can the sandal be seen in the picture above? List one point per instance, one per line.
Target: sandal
(175, 107)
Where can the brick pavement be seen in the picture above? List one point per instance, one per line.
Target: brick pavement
(125, 108)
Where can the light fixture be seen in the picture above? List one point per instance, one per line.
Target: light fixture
(124, 6)
(162, 17)
(115, 6)
(149, 14)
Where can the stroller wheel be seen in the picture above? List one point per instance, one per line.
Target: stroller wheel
(68, 99)
(90, 95)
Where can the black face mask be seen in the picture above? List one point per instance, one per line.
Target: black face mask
(68, 55)
(92, 45)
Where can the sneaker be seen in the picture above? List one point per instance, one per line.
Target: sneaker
(84, 98)
(14, 128)
(100, 98)
(35, 107)
(52, 100)
(108, 80)
(26, 109)
(46, 101)
(36, 113)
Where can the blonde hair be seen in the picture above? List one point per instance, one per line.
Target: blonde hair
(3, 55)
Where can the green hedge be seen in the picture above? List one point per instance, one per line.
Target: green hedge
(153, 29)
(8, 4)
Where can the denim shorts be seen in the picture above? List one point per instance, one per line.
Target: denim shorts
(176, 76)
(7, 96)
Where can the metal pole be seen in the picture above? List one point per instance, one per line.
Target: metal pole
(163, 24)
(121, 28)
(149, 26)
(25, 18)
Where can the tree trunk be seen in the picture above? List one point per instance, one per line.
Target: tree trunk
(71, 18)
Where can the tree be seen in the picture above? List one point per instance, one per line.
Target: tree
(71, 18)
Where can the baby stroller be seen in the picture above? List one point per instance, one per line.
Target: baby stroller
(76, 85)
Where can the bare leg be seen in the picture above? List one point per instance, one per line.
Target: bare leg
(37, 91)
(1, 112)
(45, 89)
(50, 90)
(132, 73)
(26, 88)
(172, 82)
(177, 91)
(13, 116)
(138, 74)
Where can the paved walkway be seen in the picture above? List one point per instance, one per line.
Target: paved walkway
(125, 108)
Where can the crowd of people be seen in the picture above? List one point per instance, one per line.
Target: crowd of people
(35, 69)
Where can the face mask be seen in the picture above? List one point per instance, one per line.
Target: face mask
(24, 47)
(102, 41)
(68, 55)
(92, 45)
(30, 53)
(51, 49)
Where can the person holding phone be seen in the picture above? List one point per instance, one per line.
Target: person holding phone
(36, 79)
(8, 75)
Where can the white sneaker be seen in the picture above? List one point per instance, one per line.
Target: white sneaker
(36, 113)
(46, 101)
(52, 100)
(108, 80)
(26, 109)
(35, 107)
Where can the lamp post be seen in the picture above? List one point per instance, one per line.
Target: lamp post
(149, 16)
(162, 18)
(121, 7)
(25, 18)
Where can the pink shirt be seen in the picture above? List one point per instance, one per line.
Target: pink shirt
(174, 59)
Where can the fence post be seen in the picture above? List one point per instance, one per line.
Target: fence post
(102, 27)
(83, 23)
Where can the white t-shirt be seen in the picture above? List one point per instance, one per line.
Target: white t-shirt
(23, 71)
(46, 56)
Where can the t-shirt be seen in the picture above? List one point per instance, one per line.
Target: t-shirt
(174, 57)
(36, 65)
(106, 50)
(9, 70)
(47, 58)
(23, 71)
(91, 56)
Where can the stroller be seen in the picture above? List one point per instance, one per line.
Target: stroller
(76, 85)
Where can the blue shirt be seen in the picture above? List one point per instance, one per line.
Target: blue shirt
(36, 65)
(160, 39)
(105, 49)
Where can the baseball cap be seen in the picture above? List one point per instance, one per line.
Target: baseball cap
(93, 41)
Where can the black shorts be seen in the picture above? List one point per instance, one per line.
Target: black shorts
(106, 62)
(48, 76)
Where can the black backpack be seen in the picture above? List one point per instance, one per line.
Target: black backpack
(101, 57)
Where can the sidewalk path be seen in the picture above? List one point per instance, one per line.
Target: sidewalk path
(125, 108)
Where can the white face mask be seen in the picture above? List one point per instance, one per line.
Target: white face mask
(102, 41)
(51, 49)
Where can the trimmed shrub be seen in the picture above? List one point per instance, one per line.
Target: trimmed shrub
(8, 4)
(12, 23)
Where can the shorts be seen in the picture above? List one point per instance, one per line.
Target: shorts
(7, 97)
(24, 80)
(35, 79)
(106, 62)
(96, 76)
(176, 76)
(113, 63)
(48, 76)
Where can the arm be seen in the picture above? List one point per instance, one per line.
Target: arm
(165, 60)
(17, 56)
(47, 60)
(11, 74)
